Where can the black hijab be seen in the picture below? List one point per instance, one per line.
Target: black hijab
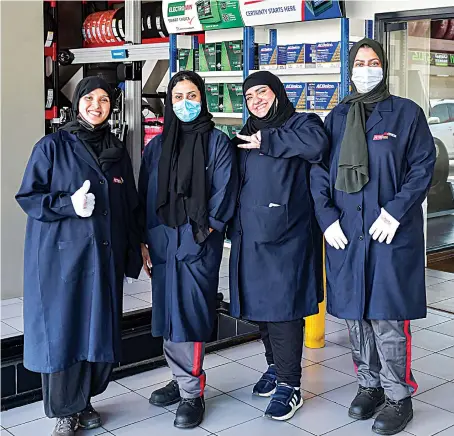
(353, 169)
(182, 191)
(281, 110)
(105, 147)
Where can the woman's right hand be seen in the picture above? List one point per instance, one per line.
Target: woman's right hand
(146, 259)
(335, 236)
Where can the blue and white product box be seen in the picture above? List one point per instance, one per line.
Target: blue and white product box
(310, 55)
(267, 57)
(326, 97)
(310, 96)
(295, 56)
(328, 55)
(281, 57)
(296, 93)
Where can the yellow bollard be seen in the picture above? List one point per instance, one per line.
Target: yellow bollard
(315, 324)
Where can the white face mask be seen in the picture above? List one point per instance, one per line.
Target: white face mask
(366, 78)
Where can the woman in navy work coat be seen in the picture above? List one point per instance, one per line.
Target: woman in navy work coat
(187, 186)
(368, 198)
(275, 260)
(79, 194)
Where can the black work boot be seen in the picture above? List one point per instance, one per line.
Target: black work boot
(190, 412)
(366, 402)
(166, 396)
(89, 418)
(394, 417)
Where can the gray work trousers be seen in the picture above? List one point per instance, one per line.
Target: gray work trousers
(381, 353)
(185, 359)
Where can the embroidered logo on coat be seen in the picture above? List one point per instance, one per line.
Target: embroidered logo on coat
(118, 180)
(385, 135)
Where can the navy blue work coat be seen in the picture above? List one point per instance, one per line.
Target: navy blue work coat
(276, 255)
(185, 274)
(369, 279)
(74, 267)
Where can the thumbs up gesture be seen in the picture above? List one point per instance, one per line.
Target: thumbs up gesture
(83, 202)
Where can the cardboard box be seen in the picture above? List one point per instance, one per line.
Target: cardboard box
(232, 56)
(272, 57)
(212, 93)
(326, 97)
(229, 130)
(296, 93)
(210, 57)
(310, 96)
(188, 59)
(233, 97)
(295, 56)
(281, 57)
(310, 55)
(267, 57)
(328, 55)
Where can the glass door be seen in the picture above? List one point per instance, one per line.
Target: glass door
(421, 61)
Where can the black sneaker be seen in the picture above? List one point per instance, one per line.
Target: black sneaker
(267, 384)
(284, 403)
(394, 417)
(166, 396)
(89, 418)
(366, 402)
(66, 426)
(190, 412)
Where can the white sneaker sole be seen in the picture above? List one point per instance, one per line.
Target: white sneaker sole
(290, 414)
(267, 395)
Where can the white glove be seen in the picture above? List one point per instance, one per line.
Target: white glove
(83, 202)
(335, 236)
(384, 227)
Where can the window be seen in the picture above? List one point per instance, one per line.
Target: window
(440, 111)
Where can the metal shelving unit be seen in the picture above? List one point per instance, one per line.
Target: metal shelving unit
(133, 53)
(248, 60)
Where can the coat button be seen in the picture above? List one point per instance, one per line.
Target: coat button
(104, 212)
(102, 181)
(361, 238)
(105, 243)
(359, 208)
(240, 232)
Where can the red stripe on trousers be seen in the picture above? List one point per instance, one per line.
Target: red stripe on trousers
(197, 365)
(408, 379)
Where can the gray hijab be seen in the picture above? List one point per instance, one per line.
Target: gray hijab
(353, 168)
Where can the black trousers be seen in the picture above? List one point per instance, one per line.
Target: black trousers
(284, 348)
(68, 392)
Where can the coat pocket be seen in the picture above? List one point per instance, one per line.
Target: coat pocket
(158, 242)
(77, 259)
(189, 251)
(268, 224)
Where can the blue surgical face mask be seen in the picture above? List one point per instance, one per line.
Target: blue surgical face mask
(187, 110)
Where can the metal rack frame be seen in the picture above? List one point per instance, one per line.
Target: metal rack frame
(248, 56)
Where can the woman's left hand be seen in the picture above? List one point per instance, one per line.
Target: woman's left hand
(252, 142)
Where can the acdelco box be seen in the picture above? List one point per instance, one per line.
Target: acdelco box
(295, 56)
(328, 54)
(326, 97)
(310, 96)
(296, 93)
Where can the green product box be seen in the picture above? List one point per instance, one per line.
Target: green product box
(229, 130)
(212, 93)
(188, 59)
(210, 57)
(232, 56)
(233, 97)
(223, 128)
